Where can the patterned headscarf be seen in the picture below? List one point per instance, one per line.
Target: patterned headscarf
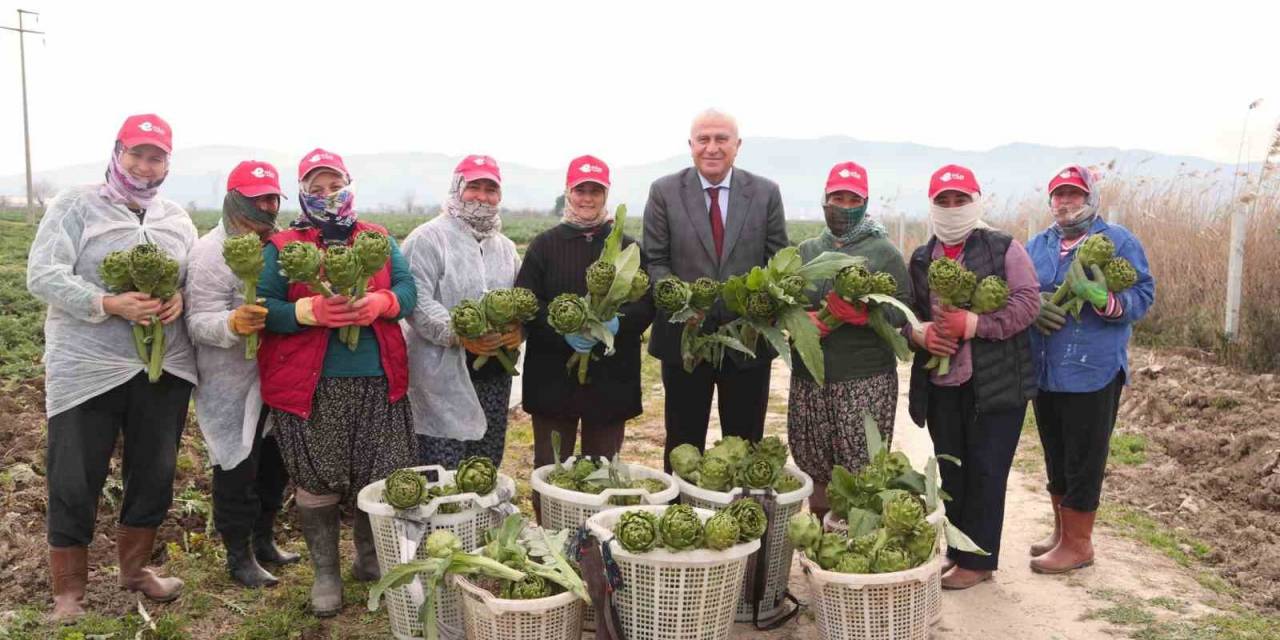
(851, 233)
(481, 217)
(1082, 221)
(123, 189)
(334, 215)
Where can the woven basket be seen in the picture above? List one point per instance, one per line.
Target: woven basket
(831, 523)
(779, 551)
(685, 595)
(486, 617)
(876, 606)
(565, 509)
(469, 525)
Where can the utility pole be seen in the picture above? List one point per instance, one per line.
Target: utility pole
(1235, 256)
(26, 128)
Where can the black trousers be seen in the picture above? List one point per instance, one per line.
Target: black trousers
(743, 399)
(150, 417)
(246, 496)
(985, 444)
(1075, 431)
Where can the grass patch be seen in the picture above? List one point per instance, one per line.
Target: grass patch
(1127, 449)
(1178, 546)
(1236, 626)
(1122, 614)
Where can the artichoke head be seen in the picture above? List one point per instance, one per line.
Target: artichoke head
(853, 563)
(685, 459)
(883, 283)
(703, 293)
(442, 543)
(532, 586)
(301, 262)
(373, 250)
(115, 273)
(583, 467)
(792, 285)
(732, 448)
(639, 286)
(1096, 250)
(526, 304)
(671, 294)
(499, 307)
(404, 489)
(468, 319)
(991, 295)
(852, 282)
(715, 473)
(243, 255)
(832, 546)
(951, 282)
(637, 531)
(920, 542)
(147, 267)
(760, 305)
(1120, 274)
(891, 559)
(804, 530)
(758, 471)
(786, 483)
(680, 528)
(440, 491)
(774, 449)
(567, 313)
(902, 514)
(722, 531)
(342, 268)
(476, 474)
(752, 520)
(600, 277)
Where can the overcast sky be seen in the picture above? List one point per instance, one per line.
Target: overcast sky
(539, 82)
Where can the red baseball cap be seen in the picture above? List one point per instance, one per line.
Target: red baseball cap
(476, 167)
(587, 169)
(253, 178)
(319, 158)
(847, 176)
(953, 177)
(147, 128)
(1069, 175)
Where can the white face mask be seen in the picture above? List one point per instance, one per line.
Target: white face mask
(953, 226)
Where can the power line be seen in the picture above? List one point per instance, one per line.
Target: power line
(26, 128)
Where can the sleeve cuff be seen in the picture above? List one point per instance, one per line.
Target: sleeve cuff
(1114, 308)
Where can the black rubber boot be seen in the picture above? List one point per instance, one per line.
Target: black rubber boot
(242, 566)
(264, 542)
(365, 566)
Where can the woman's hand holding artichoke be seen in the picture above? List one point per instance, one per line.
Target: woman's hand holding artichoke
(485, 345)
(854, 313)
(376, 304)
(958, 324)
(513, 337)
(133, 306)
(932, 340)
(171, 309)
(247, 319)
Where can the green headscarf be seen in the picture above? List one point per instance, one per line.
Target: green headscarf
(240, 214)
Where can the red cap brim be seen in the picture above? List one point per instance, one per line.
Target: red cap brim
(141, 140)
(595, 180)
(253, 191)
(481, 174)
(847, 187)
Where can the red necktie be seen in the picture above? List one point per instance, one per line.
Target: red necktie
(717, 224)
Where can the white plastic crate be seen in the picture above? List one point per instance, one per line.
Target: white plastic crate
(565, 509)
(831, 523)
(780, 549)
(876, 606)
(487, 617)
(469, 525)
(685, 595)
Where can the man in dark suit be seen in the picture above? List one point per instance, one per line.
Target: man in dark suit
(713, 220)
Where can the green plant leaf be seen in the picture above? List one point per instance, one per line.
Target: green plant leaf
(880, 298)
(875, 444)
(805, 338)
(958, 540)
(862, 521)
(931, 485)
(826, 264)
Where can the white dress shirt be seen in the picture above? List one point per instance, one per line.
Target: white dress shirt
(723, 194)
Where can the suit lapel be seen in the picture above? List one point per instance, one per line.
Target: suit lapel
(695, 206)
(740, 193)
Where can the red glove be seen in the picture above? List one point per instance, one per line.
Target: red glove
(957, 323)
(823, 329)
(933, 341)
(854, 313)
(319, 311)
(374, 305)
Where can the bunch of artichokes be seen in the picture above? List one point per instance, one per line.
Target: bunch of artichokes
(733, 462)
(146, 269)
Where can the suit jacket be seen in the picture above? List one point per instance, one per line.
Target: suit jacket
(677, 241)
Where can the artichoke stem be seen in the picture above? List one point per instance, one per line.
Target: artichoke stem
(503, 357)
(156, 367)
(584, 359)
(140, 343)
(824, 315)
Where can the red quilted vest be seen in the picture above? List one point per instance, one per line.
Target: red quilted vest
(290, 364)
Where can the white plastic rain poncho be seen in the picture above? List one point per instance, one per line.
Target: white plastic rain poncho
(87, 352)
(448, 264)
(229, 399)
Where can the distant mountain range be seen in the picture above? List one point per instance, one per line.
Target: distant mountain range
(899, 172)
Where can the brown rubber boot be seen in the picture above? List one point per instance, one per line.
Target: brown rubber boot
(69, 573)
(320, 528)
(134, 546)
(1051, 541)
(1074, 550)
(365, 565)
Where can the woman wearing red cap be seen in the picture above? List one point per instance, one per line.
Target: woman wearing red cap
(248, 475)
(328, 401)
(975, 411)
(555, 263)
(825, 423)
(96, 385)
(458, 410)
(1081, 364)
